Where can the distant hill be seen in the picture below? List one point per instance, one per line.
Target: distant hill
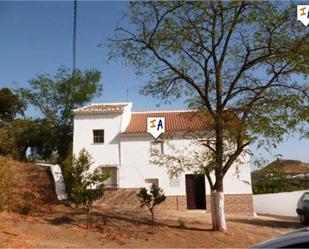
(284, 167)
(281, 176)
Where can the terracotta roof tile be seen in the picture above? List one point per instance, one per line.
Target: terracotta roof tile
(101, 108)
(174, 121)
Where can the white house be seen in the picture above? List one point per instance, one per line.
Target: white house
(117, 138)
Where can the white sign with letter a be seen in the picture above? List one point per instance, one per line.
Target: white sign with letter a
(155, 126)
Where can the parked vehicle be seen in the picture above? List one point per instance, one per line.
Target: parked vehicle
(296, 239)
(303, 208)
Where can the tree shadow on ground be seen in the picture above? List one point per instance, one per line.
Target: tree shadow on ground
(60, 220)
(144, 221)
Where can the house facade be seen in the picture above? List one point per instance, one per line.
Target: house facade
(117, 138)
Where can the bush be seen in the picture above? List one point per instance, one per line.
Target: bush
(26, 207)
(279, 184)
(151, 198)
(181, 223)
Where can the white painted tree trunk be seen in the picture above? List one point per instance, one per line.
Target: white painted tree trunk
(218, 215)
(213, 210)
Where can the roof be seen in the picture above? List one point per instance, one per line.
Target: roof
(188, 120)
(101, 108)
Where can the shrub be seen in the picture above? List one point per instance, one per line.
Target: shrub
(181, 223)
(151, 198)
(26, 207)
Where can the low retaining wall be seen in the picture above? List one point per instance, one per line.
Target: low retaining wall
(277, 204)
(234, 203)
(58, 180)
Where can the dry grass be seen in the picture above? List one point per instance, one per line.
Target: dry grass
(26, 180)
(116, 227)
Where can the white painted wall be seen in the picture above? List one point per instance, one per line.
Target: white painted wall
(58, 180)
(135, 168)
(278, 204)
(107, 153)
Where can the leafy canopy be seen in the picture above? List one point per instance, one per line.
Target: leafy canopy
(56, 97)
(246, 56)
(10, 105)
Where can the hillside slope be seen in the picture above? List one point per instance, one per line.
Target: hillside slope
(26, 184)
(281, 176)
(284, 167)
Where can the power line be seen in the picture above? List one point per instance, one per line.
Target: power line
(74, 35)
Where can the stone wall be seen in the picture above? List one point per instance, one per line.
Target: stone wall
(234, 203)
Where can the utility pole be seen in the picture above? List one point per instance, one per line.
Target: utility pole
(74, 36)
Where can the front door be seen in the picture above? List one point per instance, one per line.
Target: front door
(195, 190)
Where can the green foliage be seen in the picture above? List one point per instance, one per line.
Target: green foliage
(10, 105)
(181, 223)
(56, 97)
(279, 184)
(83, 186)
(21, 134)
(151, 198)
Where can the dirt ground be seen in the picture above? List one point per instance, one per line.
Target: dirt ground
(62, 226)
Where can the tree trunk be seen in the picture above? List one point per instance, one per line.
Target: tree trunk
(213, 210)
(152, 216)
(220, 211)
(218, 215)
(88, 217)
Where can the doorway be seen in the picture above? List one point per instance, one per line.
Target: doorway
(195, 190)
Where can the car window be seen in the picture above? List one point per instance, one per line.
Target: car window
(306, 197)
(300, 245)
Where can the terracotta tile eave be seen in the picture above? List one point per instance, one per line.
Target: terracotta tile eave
(125, 133)
(97, 112)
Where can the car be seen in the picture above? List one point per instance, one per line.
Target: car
(303, 208)
(296, 239)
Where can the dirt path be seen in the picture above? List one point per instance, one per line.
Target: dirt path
(64, 227)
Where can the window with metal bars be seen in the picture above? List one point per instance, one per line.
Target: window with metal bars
(98, 136)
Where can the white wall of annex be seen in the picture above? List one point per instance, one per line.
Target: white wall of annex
(135, 168)
(107, 153)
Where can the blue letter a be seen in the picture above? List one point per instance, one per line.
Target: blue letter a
(160, 124)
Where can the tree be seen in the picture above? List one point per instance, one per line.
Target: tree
(245, 57)
(10, 105)
(151, 198)
(85, 187)
(37, 135)
(57, 96)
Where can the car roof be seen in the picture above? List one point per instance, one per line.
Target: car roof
(296, 237)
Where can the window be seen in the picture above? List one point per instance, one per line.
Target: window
(151, 181)
(174, 182)
(306, 197)
(157, 145)
(112, 181)
(98, 136)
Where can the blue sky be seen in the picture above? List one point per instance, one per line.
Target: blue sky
(36, 37)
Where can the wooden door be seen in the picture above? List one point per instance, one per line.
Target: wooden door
(195, 191)
(190, 191)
